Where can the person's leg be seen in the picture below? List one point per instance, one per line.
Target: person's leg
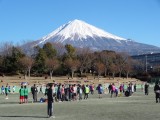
(51, 110)
(6, 95)
(20, 100)
(33, 97)
(111, 93)
(63, 97)
(116, 93)
(50, 104)
(48, 109)
(157, 96)
(87, 95)
(69, 96)
(36, 97)
(23, 99)
(80, 96)
(27, 98)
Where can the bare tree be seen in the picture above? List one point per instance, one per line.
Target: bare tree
(128, 66)
(100, 67)
(85, 57)
(106, 57)
(72, 65)
(27, 63)
(1, 62)
(121, 59)
(113, 69)
(52, 64)
(6, 49)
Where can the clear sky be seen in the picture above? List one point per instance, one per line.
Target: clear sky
(26, 20)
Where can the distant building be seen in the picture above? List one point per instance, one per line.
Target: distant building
(149, 60)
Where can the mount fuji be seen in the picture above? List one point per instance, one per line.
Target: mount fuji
(81, 34)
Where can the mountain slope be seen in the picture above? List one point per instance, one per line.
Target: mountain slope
(81, 34)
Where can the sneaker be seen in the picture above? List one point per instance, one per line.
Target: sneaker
(53, 117)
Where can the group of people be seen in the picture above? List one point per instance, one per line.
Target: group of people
(65, 92)
(23, 94)
(127, 90)
(7, 89)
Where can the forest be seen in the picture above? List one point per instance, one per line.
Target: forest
(54, 59)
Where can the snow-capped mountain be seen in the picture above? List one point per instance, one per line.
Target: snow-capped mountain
(78, 30)
(81, 34)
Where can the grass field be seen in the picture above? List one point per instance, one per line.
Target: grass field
(136, 107)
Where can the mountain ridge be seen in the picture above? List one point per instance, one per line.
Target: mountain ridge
(81, 34)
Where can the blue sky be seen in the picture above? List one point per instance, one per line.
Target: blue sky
(28, 20)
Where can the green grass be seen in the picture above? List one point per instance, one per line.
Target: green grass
(136, 107)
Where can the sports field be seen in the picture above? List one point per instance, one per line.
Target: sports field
(136, 107)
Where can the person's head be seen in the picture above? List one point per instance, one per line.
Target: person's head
(25, 86)
(50, 85)
(21, 86)
(34, 85)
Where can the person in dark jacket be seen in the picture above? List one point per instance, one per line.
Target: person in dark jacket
(50, 101)
(157, 92)
(34, 91)
(146, 88)
(110, 88)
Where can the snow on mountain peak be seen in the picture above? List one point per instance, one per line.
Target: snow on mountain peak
(80, 30)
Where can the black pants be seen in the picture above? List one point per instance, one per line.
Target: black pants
(112, 92)
(157, 97)
(35, 97)
(50, 108)
(146, 92)
(85, 95)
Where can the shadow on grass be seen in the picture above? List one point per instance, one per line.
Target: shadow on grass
(9, 102)
(16, 116)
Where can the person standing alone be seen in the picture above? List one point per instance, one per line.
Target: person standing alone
(157, 92)
(146, 88)
(50, 101)
(6, 91)
(34, 92)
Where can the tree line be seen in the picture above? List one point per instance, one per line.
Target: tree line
(53, 59)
